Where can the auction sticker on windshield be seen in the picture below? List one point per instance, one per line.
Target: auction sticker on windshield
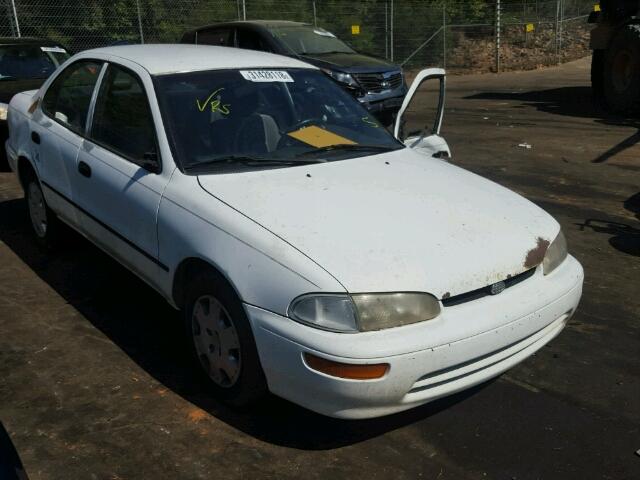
(266, 75)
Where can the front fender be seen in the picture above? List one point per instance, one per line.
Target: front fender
(264, 270)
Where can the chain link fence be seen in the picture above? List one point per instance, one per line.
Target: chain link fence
(462, 36)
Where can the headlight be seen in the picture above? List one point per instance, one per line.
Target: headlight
(341, 77)
(3, 111)
(363, 312)
(556, 253)
(386, 310)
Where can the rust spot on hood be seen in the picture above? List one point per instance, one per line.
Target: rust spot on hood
(536, 255)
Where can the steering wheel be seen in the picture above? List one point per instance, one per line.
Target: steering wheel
(244, 135)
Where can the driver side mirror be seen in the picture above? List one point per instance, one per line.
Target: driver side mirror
(150, 162)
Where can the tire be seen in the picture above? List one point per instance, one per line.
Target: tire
(46, 226)
(221, 342)
(621, 79)
(597, 77)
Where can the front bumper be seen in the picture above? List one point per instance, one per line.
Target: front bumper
(466, 345)
(383, 102)
(382, 106)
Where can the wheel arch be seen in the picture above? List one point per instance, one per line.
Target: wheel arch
(190, 267)
(25, 170)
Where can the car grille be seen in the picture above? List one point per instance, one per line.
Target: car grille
(483, 292)
(379, 82)
(495, 360)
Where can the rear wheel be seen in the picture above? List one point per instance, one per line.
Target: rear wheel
(621, 79)
(46, 225)
(221, 341)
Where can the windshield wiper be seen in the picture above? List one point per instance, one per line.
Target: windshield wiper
(353, 147)
(6, 77)
(248, 161)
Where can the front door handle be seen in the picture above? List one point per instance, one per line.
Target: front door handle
(35, 137)
(84, 169)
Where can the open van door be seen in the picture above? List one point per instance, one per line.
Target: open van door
(420, 117)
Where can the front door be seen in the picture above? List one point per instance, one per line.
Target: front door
(118, 180)
(420, 117)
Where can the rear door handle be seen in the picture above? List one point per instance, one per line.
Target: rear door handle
(35, 137)
(84, 169)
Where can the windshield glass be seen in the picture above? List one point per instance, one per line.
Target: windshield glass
(29, 61)
(241, 119)
(310, 41)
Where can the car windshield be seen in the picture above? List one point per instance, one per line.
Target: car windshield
(246, 119)
(19, 62)
(310, 41)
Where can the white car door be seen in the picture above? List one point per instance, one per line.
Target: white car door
(419, 119)
(119, 181)
(58, 126)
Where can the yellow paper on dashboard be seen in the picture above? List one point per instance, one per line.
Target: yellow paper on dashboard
(319, 137)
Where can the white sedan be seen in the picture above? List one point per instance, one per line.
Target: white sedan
(312, 253)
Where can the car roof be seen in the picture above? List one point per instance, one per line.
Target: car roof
(255, 23)
(27, 41)
(160, 59)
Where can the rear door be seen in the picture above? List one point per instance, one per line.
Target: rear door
(58, 127)
(119, 181)
(419, 120)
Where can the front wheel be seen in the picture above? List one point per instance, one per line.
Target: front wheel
(221, 341)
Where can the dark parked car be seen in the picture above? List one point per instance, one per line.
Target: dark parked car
(376, 83)
(25, 63)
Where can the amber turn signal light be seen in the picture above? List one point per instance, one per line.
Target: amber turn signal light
(346, 370)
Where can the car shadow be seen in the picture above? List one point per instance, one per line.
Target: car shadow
(136, 319)
(573, 102)
(632, 204)
(624, 237)
(11, 467)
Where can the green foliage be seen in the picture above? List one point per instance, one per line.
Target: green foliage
(92, 23)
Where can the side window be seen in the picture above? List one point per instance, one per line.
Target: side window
(122, 120)
(251, 40)
(67, 99)
(222, 37)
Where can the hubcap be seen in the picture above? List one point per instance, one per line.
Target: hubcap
(622, 71)
(37, 210)
(216, 341)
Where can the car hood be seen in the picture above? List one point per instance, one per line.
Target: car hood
(8, 88)
(349, 62)
(394, 222)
